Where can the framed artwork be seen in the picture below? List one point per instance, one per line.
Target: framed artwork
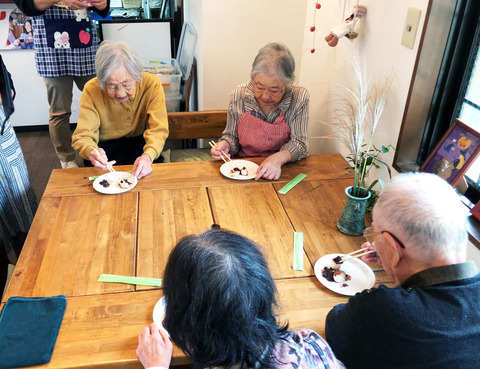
(18, 30)
(454, 154)
(476, 211)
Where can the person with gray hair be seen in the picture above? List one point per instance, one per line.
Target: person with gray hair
(268, 116)
(123, 118)
(431, 319)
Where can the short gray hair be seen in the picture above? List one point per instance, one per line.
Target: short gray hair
(114, 54)
(427, 212)
(275, 59)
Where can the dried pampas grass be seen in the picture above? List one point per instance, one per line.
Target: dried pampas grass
(357, 109)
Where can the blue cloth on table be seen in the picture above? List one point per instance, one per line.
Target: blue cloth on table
(28, 330)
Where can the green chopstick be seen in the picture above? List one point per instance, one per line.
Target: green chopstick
(292, 183)
(111, 278)
(298, 251)
(92, 178)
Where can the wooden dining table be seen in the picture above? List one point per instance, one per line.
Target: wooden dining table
(79, 234)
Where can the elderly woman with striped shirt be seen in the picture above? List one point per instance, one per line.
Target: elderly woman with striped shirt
(268, 117)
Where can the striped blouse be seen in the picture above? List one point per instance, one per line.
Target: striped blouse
(294, 104)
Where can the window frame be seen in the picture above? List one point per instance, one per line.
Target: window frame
(438, 20)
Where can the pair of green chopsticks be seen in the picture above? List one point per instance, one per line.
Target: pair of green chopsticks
(111, 278)
(298, 236)
(292, 183)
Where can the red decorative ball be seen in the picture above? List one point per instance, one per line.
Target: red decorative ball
(318, 6)
(312, 51)
(312, 29)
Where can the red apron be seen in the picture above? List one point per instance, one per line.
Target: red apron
(259, 138)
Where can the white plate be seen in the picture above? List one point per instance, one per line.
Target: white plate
(362, 275)
(251, 167)
(114, 187)
(159, 313)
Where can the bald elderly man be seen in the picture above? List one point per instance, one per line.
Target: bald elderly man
(431, 319)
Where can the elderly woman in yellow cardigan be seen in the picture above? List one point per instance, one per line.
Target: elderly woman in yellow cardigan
(123, 118)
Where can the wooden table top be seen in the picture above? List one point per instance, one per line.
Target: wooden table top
(192, 174)
(78, 234)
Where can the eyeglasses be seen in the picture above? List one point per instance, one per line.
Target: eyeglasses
(270, 91)
(370, 234)
(127, 85)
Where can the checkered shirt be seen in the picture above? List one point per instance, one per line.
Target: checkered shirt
(52, 62)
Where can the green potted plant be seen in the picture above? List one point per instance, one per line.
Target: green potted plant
(368, 161)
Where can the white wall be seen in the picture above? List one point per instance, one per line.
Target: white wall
(231, 33)
(379, 44)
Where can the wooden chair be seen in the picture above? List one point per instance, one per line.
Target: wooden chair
(193, 125)
(190, 125)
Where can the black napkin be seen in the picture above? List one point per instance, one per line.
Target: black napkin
(29, 329)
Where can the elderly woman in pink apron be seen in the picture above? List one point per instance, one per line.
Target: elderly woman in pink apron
(268, 117)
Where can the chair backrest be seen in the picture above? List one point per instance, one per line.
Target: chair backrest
(191, 125)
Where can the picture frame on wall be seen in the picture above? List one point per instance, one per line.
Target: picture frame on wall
(454, 154)
(17, 30)
(475, 211)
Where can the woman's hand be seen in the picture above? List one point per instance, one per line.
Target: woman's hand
(370, 258)
(154, 347)
(271, 168)
(142, 166)
(99, 159)
(75, 4)
(99, 4)
(219, 147)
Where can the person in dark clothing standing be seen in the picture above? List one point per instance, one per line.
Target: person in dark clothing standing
(432, 318)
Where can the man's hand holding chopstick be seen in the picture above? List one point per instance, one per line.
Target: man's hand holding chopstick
(370, 258)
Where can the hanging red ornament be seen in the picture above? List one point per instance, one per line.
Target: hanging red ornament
(313, 28)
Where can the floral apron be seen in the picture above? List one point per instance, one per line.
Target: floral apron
(259, 138)
(72, 32)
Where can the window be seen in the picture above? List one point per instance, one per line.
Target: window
(468, 103)
(445, 85)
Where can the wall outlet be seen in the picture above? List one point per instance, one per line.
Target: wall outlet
(411, 26)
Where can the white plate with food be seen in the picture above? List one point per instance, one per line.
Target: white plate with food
(239, 169)
(347, 278)
(159, 313)
(109, 184)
